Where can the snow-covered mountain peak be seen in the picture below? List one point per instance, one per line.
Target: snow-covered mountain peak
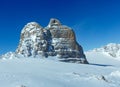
(111, 49)
(32, 23)
(32, 26)
(113, 45)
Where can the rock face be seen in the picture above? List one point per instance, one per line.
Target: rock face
(54, 40)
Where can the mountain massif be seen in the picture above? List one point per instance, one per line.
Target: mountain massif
(55, 40)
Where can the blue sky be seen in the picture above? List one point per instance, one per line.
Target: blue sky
(96, 22)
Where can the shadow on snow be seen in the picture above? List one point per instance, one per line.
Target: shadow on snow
(104, 65)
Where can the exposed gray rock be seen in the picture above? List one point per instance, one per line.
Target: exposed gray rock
(54, 40)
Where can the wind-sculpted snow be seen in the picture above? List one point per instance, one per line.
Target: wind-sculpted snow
(102, 71)
(54, 40)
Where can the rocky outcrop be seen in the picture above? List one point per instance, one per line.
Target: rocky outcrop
(54, 40)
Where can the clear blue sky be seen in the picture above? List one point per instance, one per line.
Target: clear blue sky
(96, 22)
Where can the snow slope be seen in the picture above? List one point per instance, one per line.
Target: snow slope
(103, 71)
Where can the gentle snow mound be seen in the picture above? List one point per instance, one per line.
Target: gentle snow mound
(115, 74)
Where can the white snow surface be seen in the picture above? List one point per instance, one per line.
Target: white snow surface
(103, 71)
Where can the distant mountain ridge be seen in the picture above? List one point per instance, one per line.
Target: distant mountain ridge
(112, 49)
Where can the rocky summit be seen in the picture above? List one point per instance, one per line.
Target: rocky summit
(55, 40)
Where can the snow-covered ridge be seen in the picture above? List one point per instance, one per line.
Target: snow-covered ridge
(11, 55)
(8, 55)
(111, 49)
